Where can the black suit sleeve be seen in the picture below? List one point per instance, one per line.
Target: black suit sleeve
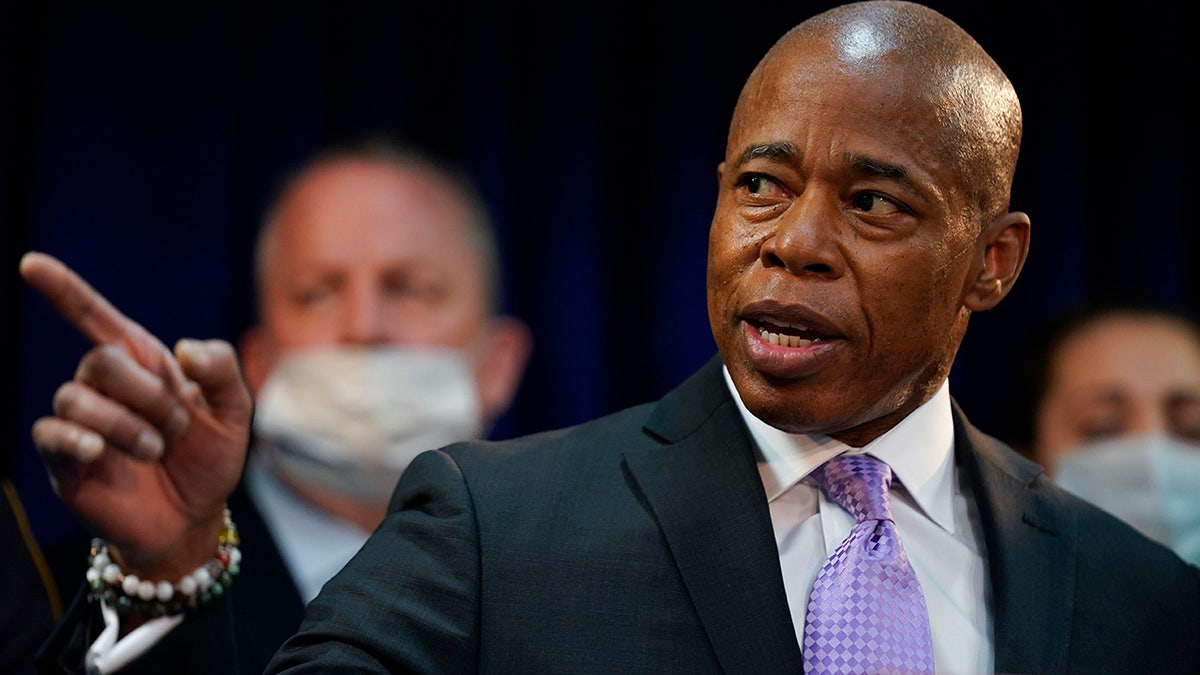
(409, 600)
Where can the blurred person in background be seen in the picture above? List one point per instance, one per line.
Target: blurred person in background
(1114, 415)
(378, 335)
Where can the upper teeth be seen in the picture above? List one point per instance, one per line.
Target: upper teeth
(785, 340)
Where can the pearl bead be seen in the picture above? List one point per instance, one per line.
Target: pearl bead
(203, 578)
(111, 573)
(187, 585)
(109, 583)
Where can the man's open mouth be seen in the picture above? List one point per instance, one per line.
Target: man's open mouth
(787, 335)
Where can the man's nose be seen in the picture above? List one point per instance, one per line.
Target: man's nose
(1151, 419)
(364, 320)
(807, 236)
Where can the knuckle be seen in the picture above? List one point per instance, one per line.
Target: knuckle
(66, 400)
(96, 364)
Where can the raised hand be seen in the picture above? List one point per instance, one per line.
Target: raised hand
(145, 445)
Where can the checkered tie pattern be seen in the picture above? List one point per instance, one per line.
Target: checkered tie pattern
(866, 612)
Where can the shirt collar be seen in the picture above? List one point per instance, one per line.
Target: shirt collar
(919, 449)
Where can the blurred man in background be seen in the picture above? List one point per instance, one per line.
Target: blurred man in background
(1114, 391)
(378, 336)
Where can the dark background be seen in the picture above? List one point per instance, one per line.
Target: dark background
(140, 145)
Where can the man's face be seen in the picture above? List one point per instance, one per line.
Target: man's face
(367, 253)
(1123, 375)
(840, 248)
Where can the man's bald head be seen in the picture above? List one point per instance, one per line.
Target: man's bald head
(929, 58)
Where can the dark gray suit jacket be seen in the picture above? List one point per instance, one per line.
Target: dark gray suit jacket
(641, 542)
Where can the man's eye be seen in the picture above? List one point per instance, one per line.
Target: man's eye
(307, 297)
(408, 288)
(758, 185)
(1183, 413)
(873, 203)
(1102, 427)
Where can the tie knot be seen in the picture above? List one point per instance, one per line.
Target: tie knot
(857, 483)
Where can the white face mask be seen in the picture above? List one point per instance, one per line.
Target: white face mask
(1152, 482)
(351, 419)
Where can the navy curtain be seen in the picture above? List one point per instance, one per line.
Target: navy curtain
(141, 146)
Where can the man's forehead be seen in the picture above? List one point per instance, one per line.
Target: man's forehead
(884, 130)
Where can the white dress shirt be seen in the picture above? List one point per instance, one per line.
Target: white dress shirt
(936, 522)
(314, 544)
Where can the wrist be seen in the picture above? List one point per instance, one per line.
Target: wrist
(174, 557)
(159, 595)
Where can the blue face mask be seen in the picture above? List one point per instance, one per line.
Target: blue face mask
(1151, 481)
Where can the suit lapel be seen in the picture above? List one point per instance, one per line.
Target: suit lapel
(703, 487)
(1031, 549)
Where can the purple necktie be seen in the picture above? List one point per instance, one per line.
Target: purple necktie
(866, 613)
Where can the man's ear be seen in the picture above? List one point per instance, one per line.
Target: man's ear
(502, 366)
(1005, 246)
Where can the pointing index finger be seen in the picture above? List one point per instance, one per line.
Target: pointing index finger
(96, 318)
(75, 299)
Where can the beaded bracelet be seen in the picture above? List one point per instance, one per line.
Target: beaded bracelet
(149, 599)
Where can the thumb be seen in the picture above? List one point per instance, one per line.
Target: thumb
(212, 365)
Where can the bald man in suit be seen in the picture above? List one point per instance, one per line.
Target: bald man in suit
(862, 217)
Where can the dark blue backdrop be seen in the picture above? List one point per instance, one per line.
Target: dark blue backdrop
(141, 147)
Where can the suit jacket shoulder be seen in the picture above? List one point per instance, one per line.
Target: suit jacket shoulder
(642, 542)
(637, 542)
